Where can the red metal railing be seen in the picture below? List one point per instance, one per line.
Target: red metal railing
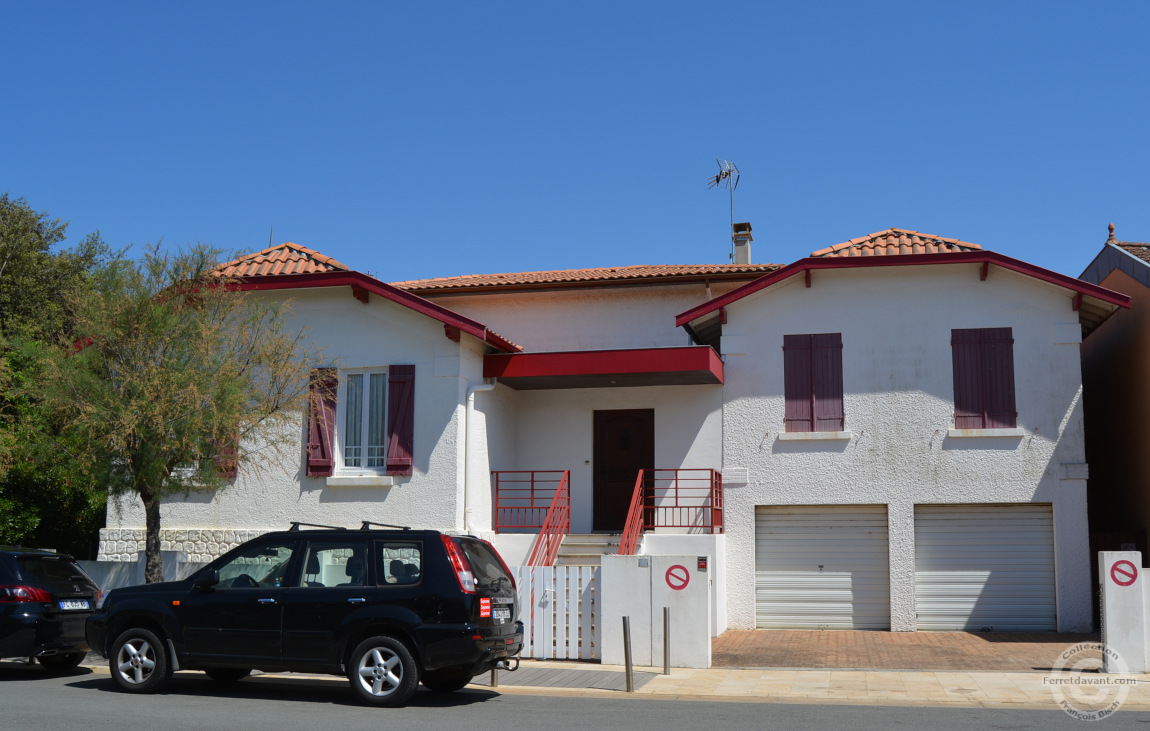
(688, 498)
(523, 498)
(556, 525)
(634, 525)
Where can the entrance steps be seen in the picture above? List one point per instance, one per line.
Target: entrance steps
(587, 549)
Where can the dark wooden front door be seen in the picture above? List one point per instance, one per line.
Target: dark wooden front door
(624, 444)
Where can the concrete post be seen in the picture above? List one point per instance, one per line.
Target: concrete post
(1123, 611)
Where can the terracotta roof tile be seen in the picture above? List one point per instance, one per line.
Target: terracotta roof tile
(286, 258)
(644, 273)
(896, 241)
(1138, 249)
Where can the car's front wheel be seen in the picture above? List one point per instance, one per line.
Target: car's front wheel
(139, 661)
(61, 662)
(383, 671)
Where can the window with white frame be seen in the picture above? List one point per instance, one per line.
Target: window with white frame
(361, 423)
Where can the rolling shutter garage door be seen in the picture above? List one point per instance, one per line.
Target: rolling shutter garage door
(823, 567)
(983, 567)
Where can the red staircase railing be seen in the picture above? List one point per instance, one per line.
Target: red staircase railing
(633, 528)
(523, 498)
(556, 525)
(686, 498)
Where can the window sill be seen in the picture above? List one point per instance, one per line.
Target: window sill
(361, 481)
(814, 436)
(965, 433)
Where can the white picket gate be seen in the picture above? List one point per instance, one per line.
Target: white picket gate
(559, 611)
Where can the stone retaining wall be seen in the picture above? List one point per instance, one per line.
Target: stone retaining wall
(199, 546)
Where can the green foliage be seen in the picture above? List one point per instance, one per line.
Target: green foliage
(36, 281)
(168, 371)
(45, 499)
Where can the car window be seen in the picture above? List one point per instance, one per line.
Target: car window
(48, 568)
(485, 565)
(399, 562)
(335, 563)
(262, 565)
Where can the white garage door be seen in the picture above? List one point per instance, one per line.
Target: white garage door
(823, 567)
(984, 567)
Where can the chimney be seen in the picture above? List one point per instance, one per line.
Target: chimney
(741, 238)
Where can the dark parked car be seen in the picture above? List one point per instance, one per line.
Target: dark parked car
(386, 608)
(45, 599)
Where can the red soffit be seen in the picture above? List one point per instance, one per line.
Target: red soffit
(679, 366)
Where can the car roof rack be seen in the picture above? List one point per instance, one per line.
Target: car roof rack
(295, 525)
(367, 525)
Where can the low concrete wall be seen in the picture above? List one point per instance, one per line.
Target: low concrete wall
(714, 548)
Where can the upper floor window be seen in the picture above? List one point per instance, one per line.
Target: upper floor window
(983, 378)
(813, 382)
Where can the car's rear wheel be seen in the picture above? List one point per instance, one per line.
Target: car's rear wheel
(61, 662)
(139, 661)
(228, 675)
(445, 681)
(383, 671)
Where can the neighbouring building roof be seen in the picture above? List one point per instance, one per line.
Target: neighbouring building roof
(896, 241)
(1130, 257)
(625, 275)
(287, 258)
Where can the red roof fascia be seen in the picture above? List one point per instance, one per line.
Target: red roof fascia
(959, 257)
(373, 285)
(603, 362)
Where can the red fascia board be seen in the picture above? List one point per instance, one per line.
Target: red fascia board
(959, 257)
(373, 285)
(603, 362)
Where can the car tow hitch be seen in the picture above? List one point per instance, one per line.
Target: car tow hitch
(506, 664)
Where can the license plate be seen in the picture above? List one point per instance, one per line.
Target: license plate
(74, 604)
(497, 613)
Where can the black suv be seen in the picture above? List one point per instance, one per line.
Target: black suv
(387, 608)
(44, 599)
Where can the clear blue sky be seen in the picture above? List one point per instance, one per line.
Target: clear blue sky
(428, 139)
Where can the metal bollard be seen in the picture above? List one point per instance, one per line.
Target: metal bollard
(494, 677)
(666, 640)
(627, 654)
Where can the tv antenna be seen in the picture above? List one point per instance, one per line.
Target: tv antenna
(727, 177)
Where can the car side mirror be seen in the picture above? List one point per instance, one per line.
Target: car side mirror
(206, 580)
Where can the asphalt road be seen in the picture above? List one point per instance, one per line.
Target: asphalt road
(30, 700)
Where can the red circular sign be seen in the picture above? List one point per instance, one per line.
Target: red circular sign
(1124, 573)
(678, 577)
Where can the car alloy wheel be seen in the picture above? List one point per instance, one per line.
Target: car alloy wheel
(383, 671)
(139, 661)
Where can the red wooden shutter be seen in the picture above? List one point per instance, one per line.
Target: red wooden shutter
(998, 360)
(227, 458)
(797, 386)
(400, 418)
(966, 355)
(827, 370)
(321, 422)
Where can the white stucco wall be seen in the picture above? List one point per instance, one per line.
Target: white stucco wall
(269, 495)
(898, 403)
(586, 319)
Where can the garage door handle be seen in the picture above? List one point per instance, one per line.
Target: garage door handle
(356, 600)
(266, 601)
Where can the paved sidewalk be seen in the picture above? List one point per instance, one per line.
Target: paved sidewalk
(848, 687)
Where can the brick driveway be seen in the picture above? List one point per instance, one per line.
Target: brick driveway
(845, 649)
